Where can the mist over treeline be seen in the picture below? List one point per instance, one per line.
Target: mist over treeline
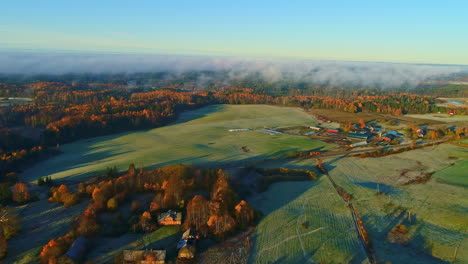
(204, 72)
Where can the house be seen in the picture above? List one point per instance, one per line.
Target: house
(421, 132)
(452, 112)
(189, 238)
(144, 256)
(170, 218)
(78, 249)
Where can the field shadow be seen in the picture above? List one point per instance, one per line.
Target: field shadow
(381, 187)
(419, 249)
(191, 115)
(85, 151)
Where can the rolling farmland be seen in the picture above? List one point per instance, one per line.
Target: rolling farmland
(305, 222)
(433, 211)
(437, 221)
(198, 137)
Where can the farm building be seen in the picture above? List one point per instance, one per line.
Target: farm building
(270, 131)
(315, 127)
(357, 135)
(239, 129)
(187, 252)
(186, 244)
(362, 143)
(394, 133)
(78, 249)
(388, 137)
(170, 218)
(190, 234)
(310, 133)
(144, 256)
(334, 131)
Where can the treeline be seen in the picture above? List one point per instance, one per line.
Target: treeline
(68, 112)
(16, 152)
(61, 107)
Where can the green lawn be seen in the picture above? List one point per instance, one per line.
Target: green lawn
(198, 137)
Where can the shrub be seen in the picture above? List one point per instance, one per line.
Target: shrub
(3, 245)
(21, 193)
(135, 207)
(112, 204)
(5, 192)
(44, 181)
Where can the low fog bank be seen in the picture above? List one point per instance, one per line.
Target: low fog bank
(335, 73)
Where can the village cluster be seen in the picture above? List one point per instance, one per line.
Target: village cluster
(355, 137)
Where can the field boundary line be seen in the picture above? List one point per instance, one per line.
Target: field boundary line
(289, 238)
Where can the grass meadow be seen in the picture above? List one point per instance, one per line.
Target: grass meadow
(198, 137)
(438, 211)
(305, 222)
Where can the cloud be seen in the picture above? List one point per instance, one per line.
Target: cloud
(336, 73)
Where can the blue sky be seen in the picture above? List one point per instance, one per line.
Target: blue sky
(395, 31)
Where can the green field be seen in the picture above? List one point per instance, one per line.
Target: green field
(198, 137)
(439, 217)
(439, 211)
(456, 174)
(280, 237)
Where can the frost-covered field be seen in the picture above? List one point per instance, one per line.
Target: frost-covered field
(436, 213)
(198, 137)
(305, 222)
(439, 211)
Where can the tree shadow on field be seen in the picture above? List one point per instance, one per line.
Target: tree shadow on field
(83, 152)
(419, 249)
(383, 188)
(191, 115)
